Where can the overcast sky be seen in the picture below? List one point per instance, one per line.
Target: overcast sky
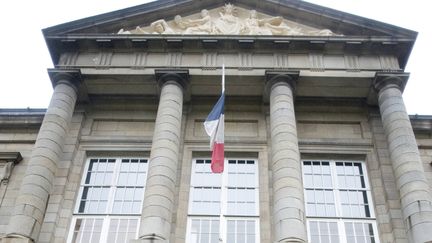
(24, 57)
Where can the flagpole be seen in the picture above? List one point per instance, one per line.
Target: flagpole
(223, 78)
(222, 222)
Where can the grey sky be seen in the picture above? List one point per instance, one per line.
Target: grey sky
(24, 57)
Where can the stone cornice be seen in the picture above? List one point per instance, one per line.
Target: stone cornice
(421, 124)
(21, 118)
(10, 157)
(384, 80)
(7, 163)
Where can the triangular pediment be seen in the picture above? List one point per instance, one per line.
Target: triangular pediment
(298, 17)
(285, 21)
(227, 20)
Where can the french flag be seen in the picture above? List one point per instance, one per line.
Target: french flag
(214, 126)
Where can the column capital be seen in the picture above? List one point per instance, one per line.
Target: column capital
(289, 77)
(384, 80)
(73, 76)
(180, 76)
(273, 76)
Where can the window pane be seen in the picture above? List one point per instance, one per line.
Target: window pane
(87, 230)
(320, 203)
(99, 172)
(250, 231)
(241, 201)
(241, 231)
(204, 230)
(361, 232)
(205, 201)
(311, 209)
(242, 174)
(127, 200)
(323, 231)
(326, 168)
(316, 168)
(353, 202)
(327, 181)
(307, 167)
(122, 230)
(202, 175)
(308, 181)
(97, 188)
(310, 196)
(93, 200)
(313, 226)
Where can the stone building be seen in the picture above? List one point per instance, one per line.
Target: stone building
(319, 147)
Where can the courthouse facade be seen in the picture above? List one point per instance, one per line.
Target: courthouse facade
(318, 144)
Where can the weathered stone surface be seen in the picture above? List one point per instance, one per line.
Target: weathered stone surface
(415, 193)
(288, 209)
(34, 191)
(159, 196)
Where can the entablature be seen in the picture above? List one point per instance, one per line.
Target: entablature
(77, 43)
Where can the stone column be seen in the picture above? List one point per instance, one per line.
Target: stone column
(415, 193)
(30, 205)
(159, 198)
(288, 200)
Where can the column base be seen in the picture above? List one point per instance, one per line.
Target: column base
(291, 241)
(146, 241)
(14, 239)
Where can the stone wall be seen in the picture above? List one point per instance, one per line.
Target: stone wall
(18, 139)
(332, 129)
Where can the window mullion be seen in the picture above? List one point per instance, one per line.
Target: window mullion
(335, 189)
(341, 229)
(223, 221)
(113, 185)
(105, 229)
(257, 201)
(82, 234)
(370, 204)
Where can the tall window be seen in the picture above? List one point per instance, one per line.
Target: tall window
(238, 191)
(338, 202)
(109, 204)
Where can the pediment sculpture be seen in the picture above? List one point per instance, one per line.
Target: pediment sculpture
(225, 21)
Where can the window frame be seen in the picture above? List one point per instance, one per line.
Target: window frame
(108, 215)
(336, 189)
(224, 189)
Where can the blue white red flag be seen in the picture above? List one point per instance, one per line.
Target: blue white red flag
(214, 126)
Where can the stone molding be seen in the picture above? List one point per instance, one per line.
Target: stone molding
(384, 80)
(70, 77)
(177, 76)
(7, 161)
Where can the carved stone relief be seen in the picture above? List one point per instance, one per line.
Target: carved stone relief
(228, 20)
